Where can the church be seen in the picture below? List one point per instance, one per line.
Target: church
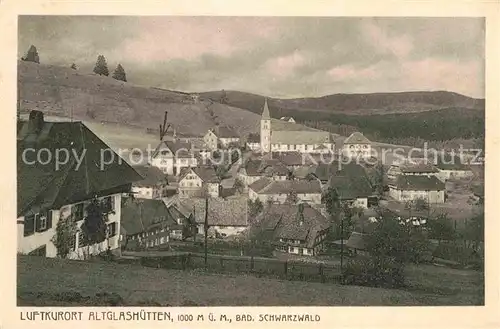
(286, 136)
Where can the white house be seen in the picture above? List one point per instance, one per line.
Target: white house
(253, 142)
(357, 145)
(52, 191)
(453, 168)
(153, 186)
(288, 119)
(196, 181)
(173, 155)
(279, 191)
(410, 188)
(354, 190)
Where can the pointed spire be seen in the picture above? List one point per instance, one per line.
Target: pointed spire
(265, 113)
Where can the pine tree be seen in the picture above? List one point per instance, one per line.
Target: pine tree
(32, 55)
(101, 67)
(119, 73)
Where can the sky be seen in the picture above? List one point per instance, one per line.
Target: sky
(273, 56)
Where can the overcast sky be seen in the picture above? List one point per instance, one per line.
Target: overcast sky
(273, 56)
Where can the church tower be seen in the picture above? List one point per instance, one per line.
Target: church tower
(265, 129)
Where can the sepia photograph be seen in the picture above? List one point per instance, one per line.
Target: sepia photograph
(250, 161)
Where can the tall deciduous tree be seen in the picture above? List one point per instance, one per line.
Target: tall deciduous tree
(32, 55)
(101, 67)
(119, 73)
(441, 228)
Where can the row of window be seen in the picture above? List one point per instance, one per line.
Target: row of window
(111, 231)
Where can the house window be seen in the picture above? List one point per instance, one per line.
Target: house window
(77, 211)
(82, 242)
(112, 229)
(108, 203)
(42, 223)
(29, 225)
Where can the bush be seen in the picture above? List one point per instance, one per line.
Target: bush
(374, 272)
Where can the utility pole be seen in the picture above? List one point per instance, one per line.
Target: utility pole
(206, 232)
(341, 242)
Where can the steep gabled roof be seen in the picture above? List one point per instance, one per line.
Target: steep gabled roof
(357, 241)
(356, 138)
(42, 186)
(225, 132)
(351, 187)
(253, 138)
(419, 183)
(221, 212)
(139, 215)
(152, 176)
(268, 186)
(206, 173)
(265, 112)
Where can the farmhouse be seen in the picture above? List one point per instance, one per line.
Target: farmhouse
(288, 119)
(173, 155)
(282, 136)
(220, 137)
(195, 182)
(50, 191)
(147, 224)
(354, 190)
(453, 168)
(153, 186)
(253, 142)
(407, 188)
(266, 189)
(357, 145)
(295, 229)
(226, 217)
(255, 169)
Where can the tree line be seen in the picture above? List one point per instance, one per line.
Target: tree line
(101, 66)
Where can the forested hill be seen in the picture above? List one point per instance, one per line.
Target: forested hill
(361, 104)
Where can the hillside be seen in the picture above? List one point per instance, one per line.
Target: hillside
(63, 92)
(359, 104)
(57, 282)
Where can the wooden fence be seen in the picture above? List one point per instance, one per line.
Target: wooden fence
(267, 267)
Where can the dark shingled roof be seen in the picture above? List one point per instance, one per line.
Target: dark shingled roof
(42, 186)
(253, 138)
(288, 223)
(179, 148)
(356, 138)
(259, 167)
(419, 183)
(140, 215)
(152, 176)
(419, 168)
(221, 212)
(206, 173)
(357, 241)
(351, 187)
(268, 186)
(225, 132)
(289, 158)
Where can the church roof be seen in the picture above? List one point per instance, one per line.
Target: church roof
(356, 138)
(299, 137)
(265, 113)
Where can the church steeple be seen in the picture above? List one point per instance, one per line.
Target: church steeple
(265, 113)
(265, 129)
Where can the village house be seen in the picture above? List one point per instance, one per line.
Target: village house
(288, 119)
(357, 146)
(295, 229)
(453, 168)
(147, 224)
(411, 187)
(354, 190)
(173, 155)
(153, 186)
(268, 190)
(195, 182)
(282, 136)
(253, 142)
(226, 217)
(221, 137)
(255, 169)
(357, 243)
(50, 191)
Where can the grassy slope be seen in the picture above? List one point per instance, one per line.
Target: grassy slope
(61, 91)
(171, 287)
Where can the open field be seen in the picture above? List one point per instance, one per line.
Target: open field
(40, 279)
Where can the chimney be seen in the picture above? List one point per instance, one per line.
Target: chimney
(35, 123)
